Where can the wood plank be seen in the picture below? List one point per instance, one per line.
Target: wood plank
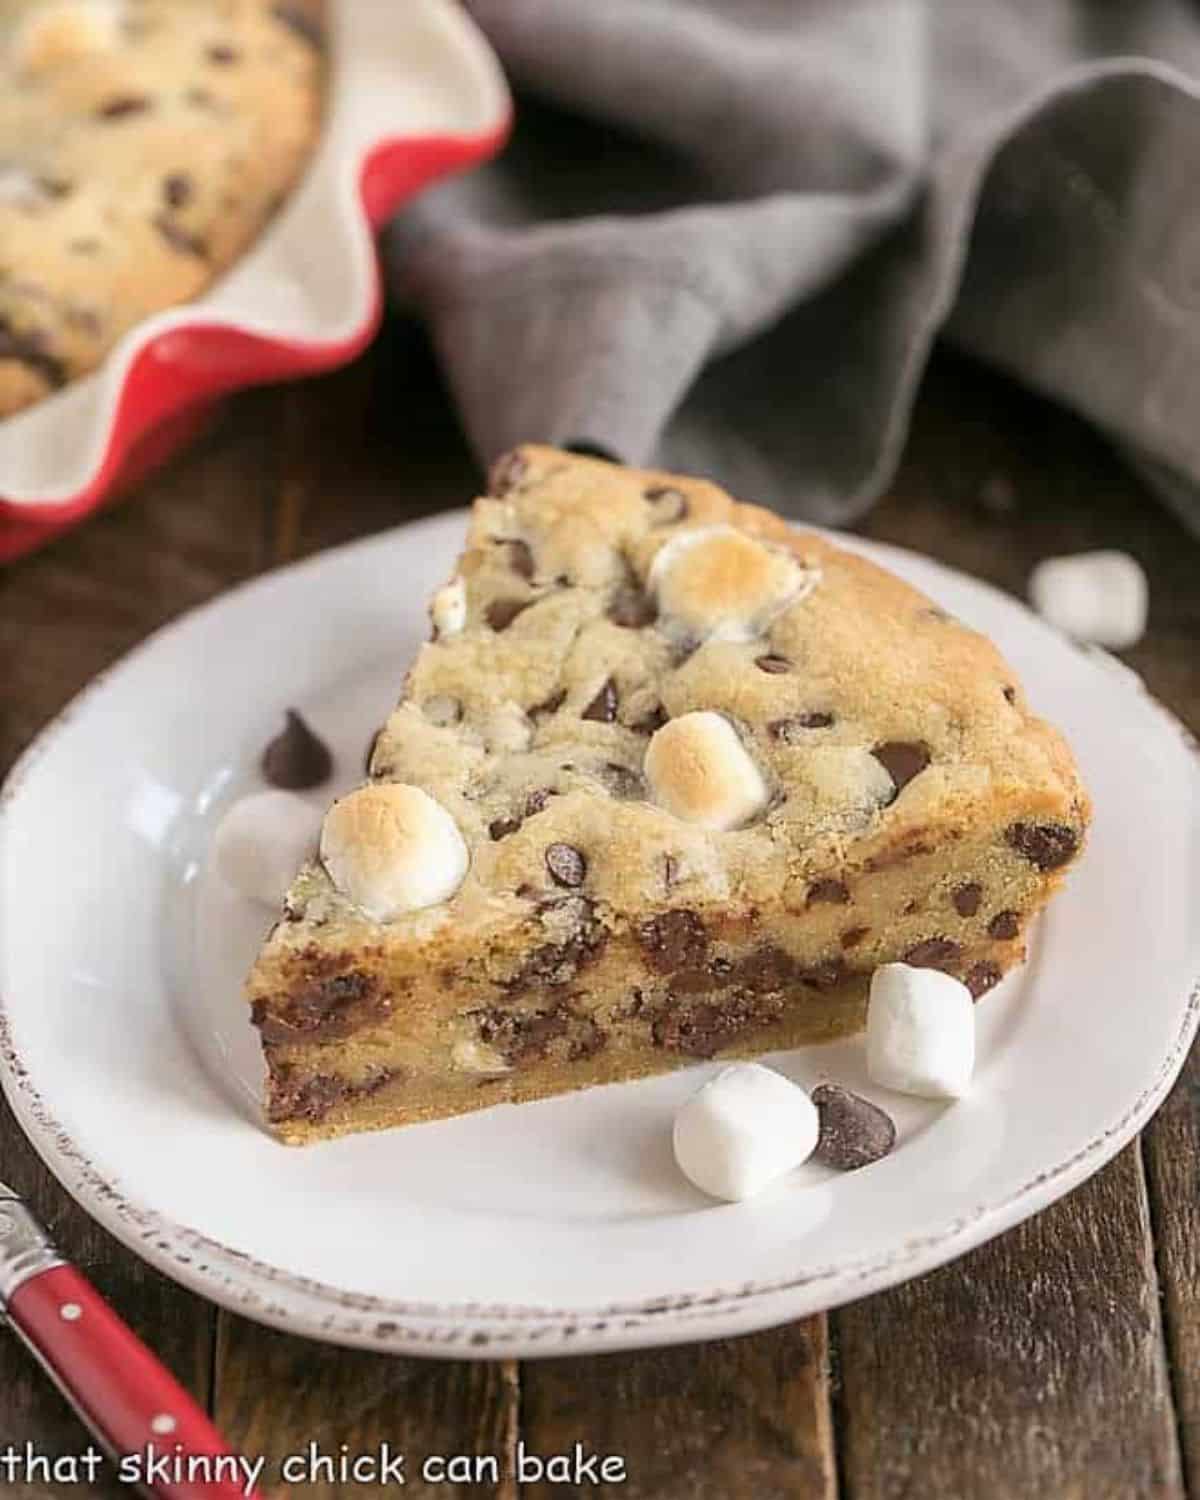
(1172, 1151)
(734, 1418)
(65, 614)
(277, 1395)
(1033, 1367)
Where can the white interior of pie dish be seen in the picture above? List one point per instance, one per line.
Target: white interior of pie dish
(398, 71)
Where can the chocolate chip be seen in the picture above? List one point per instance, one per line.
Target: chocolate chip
(902, 760)
(792, 731)
(296, 759)
(1010, 694)
(603, 707)
(177, 189)
(222, 54)
(442, 710)
(1004, 925)
(30, 349)
(772, 663)
(932, 953)
(297, 18)
(673, 940)
(566, 864)
(500, 613)
(520, 558)
(823, 976)
(967, 898)
(853, 936)
(548, 706)
(536, 801)
(1046, 845)
(670, 505)
(983, 977)
(632, 608)
(835, 891)
(122, 106)
(853, 1131)
(500, 828)
(179, 238)
(651, 722)
(507, 473)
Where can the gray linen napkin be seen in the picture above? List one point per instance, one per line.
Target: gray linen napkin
(727, 232)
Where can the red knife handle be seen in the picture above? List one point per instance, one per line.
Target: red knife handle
(120, 1389)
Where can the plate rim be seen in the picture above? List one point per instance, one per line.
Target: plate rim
(316, 1309)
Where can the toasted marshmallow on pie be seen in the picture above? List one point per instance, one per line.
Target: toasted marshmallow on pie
(448, 611)
(391, 848)
(715, 581)
(700, 771)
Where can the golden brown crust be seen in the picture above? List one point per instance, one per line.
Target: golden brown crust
(879, 790)
(142, 148)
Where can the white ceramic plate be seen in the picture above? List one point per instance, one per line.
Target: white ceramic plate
(561, 1225)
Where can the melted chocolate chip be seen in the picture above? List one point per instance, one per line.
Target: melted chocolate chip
(1010, 694)
(603, 707)
(651, 722)
(179, 238)
(792, 731)
(320, 1008)
(500, 828)
(296, 759)
(30, 349)
(853, 1131)
(670, 505)
(507, 473)
(1004, 925)
(560, 962)
(632, 608)
(1046, 845)
(673, 940)
(177, 189)
(772, 663)
(292, 1098)
(967, 898)
(537, 800)
(299, 19)
(520, 558)
(701, 1028)
(500, 613)
(222, 54)
(122, 107)
(902, 760)
(566, 865)
(853, 936)
(835, 891)
(983, 977)
(932, 953)
(548, 706)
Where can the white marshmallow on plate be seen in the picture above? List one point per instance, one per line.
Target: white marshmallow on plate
(1094, 596)
(742, 1130)
(920, 1032)
(262, 841)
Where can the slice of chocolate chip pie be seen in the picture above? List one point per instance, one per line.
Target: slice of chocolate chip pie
(669, 781)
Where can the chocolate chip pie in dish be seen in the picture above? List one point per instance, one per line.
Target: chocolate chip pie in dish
(669, 781)
(143, 145)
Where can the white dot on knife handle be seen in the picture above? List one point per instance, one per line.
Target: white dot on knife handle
(163, 1423)
(70, 1312)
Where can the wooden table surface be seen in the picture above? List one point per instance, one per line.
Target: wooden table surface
(1061, 1360)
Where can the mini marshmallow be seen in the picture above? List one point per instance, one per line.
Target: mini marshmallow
(448, 610)
(700, 771)
(717, 582)
(391, 848)
(920, 1032)
(1093, 596)
(742, 1130)
(262, 841)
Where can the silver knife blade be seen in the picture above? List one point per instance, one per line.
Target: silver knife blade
(25, 1248)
